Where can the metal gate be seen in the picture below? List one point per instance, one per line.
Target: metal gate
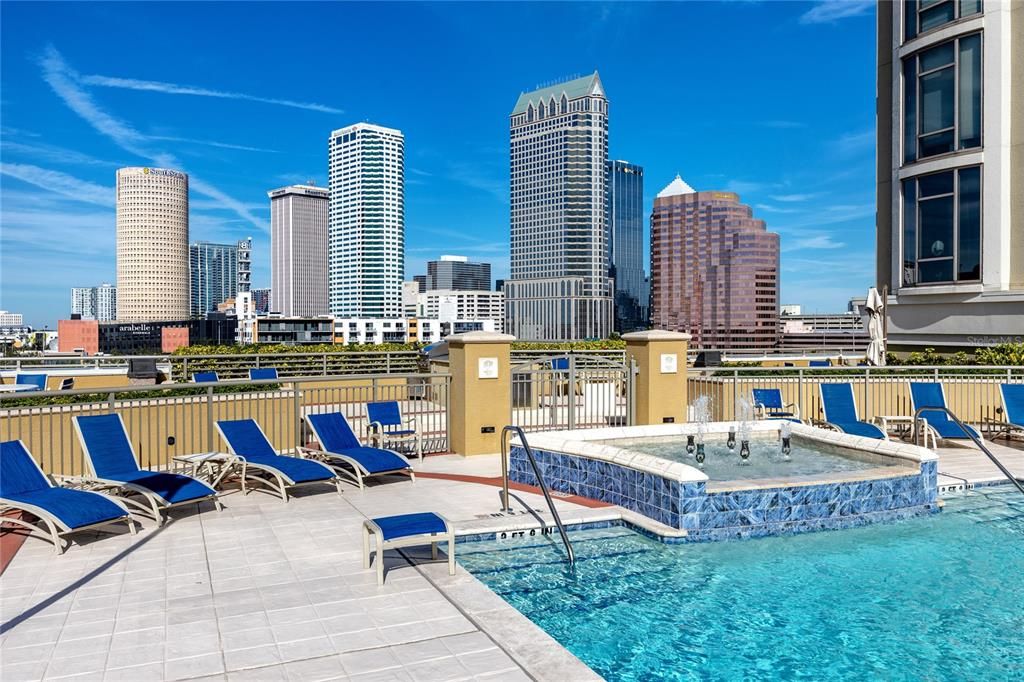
(572, 391)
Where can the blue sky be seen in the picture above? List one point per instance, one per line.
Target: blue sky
(774, 100)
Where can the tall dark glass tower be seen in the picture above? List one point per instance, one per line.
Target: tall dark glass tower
(626, 243)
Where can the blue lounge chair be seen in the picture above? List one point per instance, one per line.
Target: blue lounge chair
(819, 363)
(25, 488)
(937, 422)
(257, 373)
(1013, 410)
(387, 425)
(114, 465)
(37, 380)
(204, 377)
(841, 412)
(343, 451)
(768, 404)
(406, 530)
(260, 462)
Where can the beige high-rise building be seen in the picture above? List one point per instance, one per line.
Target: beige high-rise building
(152, 245)
(298, 250)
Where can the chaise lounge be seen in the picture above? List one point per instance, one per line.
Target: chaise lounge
(342, 450)
(61, 511)
(937, 423)
(841, 412)
(114, 465)
(768, 405)
(259, 462)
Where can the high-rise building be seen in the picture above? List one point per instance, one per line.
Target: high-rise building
(366, 219)
(152, 244)
(298, 250)
(950, 195)
(261, 300)
(626, 229)
(457, 273)
(216, 272)
(559, 288)
(95, 303)
(714, 269)
(421, 282)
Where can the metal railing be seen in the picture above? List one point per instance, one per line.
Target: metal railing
(179, 368)
(574, 391)
(167, 421)
(971, 391)
(977, 441)
(570, 554)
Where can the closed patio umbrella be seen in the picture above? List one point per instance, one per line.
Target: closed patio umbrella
(875, 309)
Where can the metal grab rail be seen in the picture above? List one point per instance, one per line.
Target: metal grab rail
(571, 555)
(917, 440)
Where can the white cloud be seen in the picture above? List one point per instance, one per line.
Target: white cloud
(852, 144)
(61, 183)
(65, 82)
(794, 197)
(776, 209)
(817, 241)
(175, 89)
(831, 11)
(51, 153)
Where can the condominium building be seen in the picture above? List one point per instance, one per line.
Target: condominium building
(714, 269)
(95, 303)
(457, 273)
(293, 331)
(298, 250)
(950, 242)
(366, 222)
(626, 243)
(217, 272)
(560, 288)
(449, 305)
(152, 244)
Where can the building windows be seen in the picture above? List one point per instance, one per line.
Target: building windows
(920, 16)
(942, 99)
(942, 227)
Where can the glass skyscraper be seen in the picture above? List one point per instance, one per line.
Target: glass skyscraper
(458, 274)
(560, 288)
(366, 222)
(217, 272)
(626, 243)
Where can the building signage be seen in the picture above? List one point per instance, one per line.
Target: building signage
(669, 363)
(162, 171)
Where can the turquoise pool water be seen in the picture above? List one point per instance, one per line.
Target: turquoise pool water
(935, 598)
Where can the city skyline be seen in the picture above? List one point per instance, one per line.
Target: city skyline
(74, 113)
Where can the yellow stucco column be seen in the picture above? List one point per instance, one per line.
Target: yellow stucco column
(660, 358)
(481, 394)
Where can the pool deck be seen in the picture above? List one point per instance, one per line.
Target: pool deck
(960, 465)
(271, 591)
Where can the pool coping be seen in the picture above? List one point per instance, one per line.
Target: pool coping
(584, 443)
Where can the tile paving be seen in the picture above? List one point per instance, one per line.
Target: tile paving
(271, 591)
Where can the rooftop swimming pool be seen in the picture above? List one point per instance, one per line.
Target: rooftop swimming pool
(937, 597)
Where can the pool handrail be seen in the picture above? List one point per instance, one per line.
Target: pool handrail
(981, 446)
(570, 554)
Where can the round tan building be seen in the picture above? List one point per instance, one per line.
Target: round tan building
(152, 244)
